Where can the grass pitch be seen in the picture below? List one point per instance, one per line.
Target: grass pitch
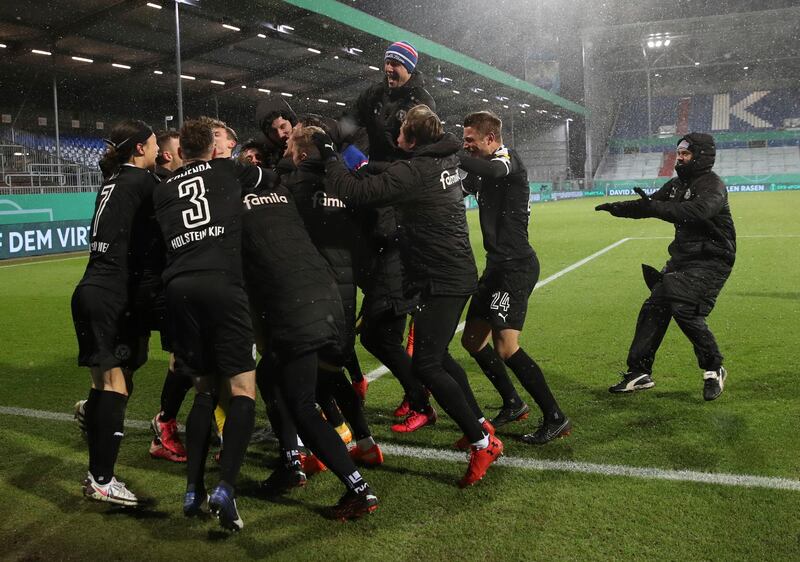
(578, 327)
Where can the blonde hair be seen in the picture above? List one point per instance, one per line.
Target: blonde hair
(422, 125)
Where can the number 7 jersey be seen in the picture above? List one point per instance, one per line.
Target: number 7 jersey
(199, 210)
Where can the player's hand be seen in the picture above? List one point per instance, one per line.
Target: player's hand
(604, 207)
(324, 144)
(641, 193)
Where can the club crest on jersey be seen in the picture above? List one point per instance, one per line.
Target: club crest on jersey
(447, 179)
(252, 200)
(401, 115)
(322, 199)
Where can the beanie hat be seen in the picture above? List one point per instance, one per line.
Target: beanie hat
(404, 53)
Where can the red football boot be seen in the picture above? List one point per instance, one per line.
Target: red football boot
(416, 420)
(479, 461)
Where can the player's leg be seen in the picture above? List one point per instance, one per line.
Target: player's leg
(651, 326)
(166, 443)
(198, 434)
(435, 324)
(366, 451)
(289, 473)
(382, 336)
(299, 384)
(476, 340)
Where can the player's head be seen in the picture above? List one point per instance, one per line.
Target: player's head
(168, 142)
(251, 153)
(483, 133)
(131, 142)
(197, 140)
(301, 144)
(225, 139)
(695, 153)
(399, 63)
(420, 127)
(276, 119)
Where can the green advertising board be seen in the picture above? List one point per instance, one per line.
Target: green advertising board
(40, 238)
(17, 209)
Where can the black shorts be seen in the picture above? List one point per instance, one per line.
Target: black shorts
(150, 305)
(503, 293)
(106, 331)
(209, 325)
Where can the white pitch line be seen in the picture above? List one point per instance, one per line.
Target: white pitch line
(84, 256)
(382, 370)
(645, 473)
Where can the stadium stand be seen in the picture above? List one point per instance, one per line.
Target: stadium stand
(29, 160)
(758, 133)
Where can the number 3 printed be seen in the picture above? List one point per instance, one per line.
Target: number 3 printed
(195, 190)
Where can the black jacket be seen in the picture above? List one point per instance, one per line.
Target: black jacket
(329, 222)
(381, 110)
(698, 207)
(295, 303)
(427, 195)
(696, 202)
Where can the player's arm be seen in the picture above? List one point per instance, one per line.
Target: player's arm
(470, 185)
(387, 188)
(254, 177)
(706, 204)
(498, 167)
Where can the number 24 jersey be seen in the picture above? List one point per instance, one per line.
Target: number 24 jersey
(199, 210)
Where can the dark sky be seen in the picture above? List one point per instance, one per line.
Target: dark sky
(504, 32)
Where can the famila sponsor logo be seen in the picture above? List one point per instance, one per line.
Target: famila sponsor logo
(447, 179)
(322, 199)
(252, 200)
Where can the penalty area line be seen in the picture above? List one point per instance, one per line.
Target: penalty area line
(594, 469)
(382, 370)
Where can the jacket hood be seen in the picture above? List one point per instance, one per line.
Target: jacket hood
(704, 153)
(445, 146)
(269, 109)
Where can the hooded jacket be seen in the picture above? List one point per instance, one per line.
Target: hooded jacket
(696, 202)
(266, 112)
(381, 110)
(426, 192)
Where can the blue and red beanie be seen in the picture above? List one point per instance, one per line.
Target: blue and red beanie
(403, 52)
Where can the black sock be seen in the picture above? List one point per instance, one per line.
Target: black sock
(172, 395)
(495, 371)
(532, 379)
(108, 428)
(198, 432)
(348, 401)
(89, 411)
(236, 436)
(327, 402)
(458, 374)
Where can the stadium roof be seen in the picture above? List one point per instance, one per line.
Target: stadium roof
(319, 53)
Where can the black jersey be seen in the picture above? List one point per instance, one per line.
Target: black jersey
(199, 210)
(291, 286)
(121, 212)
(503, 197)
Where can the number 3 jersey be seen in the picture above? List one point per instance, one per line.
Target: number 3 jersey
(122, 209)
(199, 210)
